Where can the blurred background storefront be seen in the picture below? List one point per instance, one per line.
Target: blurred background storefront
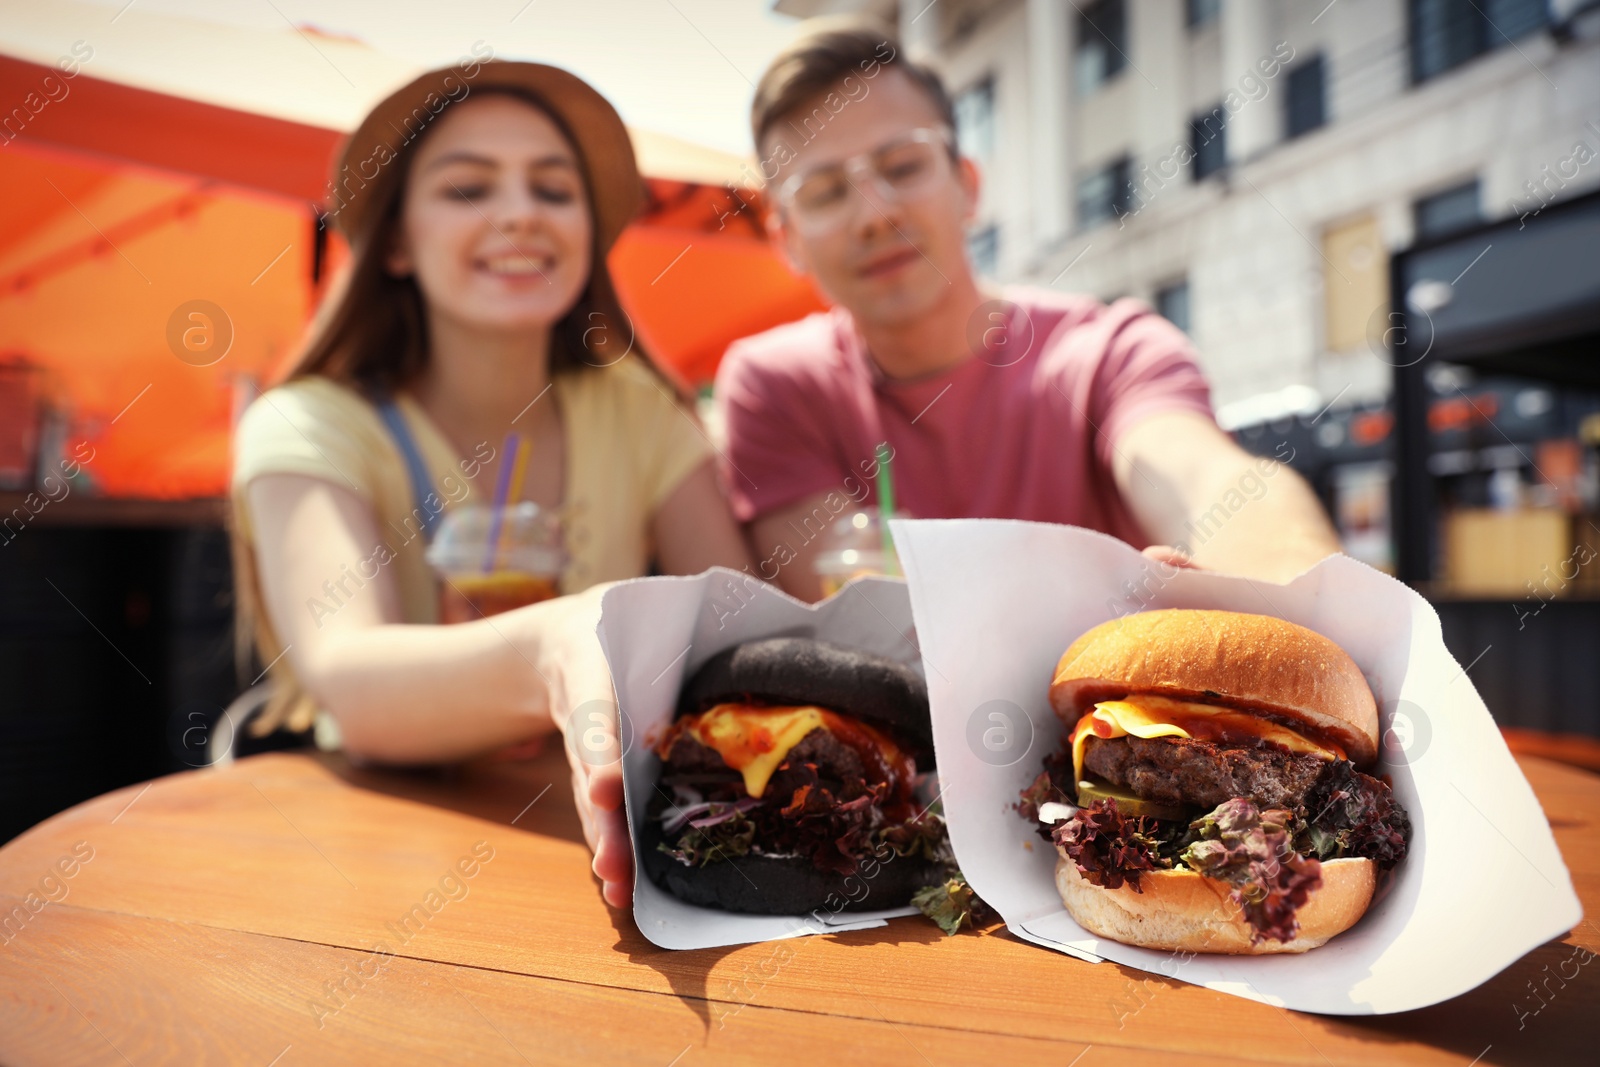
(1378, 219)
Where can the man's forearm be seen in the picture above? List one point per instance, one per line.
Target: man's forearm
(1260, 520)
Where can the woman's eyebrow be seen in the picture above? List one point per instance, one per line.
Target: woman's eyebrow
(462, 157)
(555, 159)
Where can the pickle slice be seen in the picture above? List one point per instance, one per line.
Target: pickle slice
(1128, 802)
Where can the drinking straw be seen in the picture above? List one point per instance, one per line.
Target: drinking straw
(518, 469)
(497, 510)
(886, 506)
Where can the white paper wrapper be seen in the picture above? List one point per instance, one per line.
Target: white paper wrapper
(997, 602)
(656, 632)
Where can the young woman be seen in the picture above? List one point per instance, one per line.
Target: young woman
(479, 202)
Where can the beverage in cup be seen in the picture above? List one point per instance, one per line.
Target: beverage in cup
(522, 567)
(853, 546)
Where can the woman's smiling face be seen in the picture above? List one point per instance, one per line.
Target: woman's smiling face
(495, 223)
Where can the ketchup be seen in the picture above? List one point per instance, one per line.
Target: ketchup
(881, 758)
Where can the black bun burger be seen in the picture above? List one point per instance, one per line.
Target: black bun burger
(788, 784)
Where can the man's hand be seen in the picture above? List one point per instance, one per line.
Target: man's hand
(1171, 557)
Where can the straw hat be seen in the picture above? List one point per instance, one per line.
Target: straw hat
(367, 163)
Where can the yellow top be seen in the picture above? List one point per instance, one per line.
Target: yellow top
(629, 444)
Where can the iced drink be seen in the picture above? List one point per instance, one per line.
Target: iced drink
(465, 597)
(853, 547)
(524, 568)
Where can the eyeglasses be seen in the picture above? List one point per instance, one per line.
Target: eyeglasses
(822, 199)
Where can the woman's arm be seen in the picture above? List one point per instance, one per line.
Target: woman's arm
(428, 694)
(401, 693)
(404, 693)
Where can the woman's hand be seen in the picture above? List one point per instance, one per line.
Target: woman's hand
(598, 792)
(523, 751)
(584, 709)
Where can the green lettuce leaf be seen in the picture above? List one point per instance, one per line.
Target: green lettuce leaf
(701, 845)
(952, 903)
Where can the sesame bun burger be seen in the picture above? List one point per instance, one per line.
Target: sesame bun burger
(788, 783)
(1212, 796)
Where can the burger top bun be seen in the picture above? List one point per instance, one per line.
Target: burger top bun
(1184, 911)
(1255, 663)
(799, 670)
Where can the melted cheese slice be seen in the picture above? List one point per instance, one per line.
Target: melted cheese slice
(754, 741)
(1154, 716)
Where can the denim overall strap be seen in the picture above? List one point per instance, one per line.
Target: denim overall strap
(421, 482)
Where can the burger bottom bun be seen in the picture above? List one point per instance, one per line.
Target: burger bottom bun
(763, 885)
(1183, 911)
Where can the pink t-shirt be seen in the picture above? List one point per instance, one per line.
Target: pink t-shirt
(1024, 430)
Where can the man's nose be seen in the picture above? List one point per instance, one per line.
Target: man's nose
(875, 206)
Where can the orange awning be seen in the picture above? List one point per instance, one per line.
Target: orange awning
(122, 205)
(696, 273)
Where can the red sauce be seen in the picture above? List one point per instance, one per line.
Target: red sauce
(1225, 727)
(881, 758)
(757, 740)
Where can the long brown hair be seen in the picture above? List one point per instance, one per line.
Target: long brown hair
(370, 333)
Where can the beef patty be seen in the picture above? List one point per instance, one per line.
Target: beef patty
(833, 758)
(1178, 770)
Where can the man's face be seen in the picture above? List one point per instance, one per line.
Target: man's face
(888, 259)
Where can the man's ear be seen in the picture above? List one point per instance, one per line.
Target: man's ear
(971, 181)
(785, 242)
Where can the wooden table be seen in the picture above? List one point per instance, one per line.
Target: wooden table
(231, 915)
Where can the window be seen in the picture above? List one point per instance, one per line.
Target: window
(1356, 286)
(975, 121)
(1104, 193)
(960, 19)
(1172, 302)
(1102, 35)
(1208, 141)
(1448, 211)
(1304, 105)
(983, 250)
(1447, 33)
(1202, 12)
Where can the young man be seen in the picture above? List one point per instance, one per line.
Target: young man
(1022, 403)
